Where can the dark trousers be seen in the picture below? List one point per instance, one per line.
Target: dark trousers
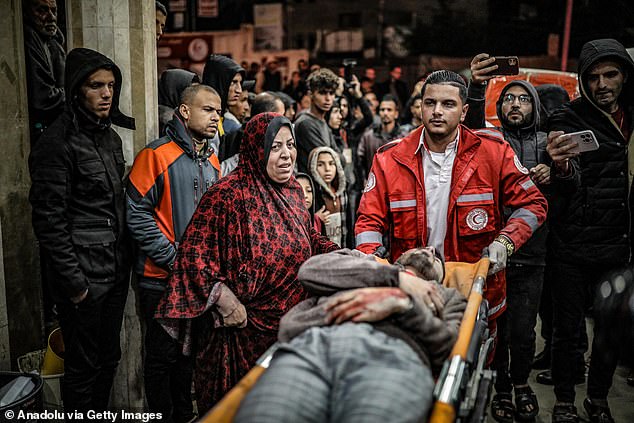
(167, 372)
(516, 327)
(91, 332)
(573, 288)
(546, 316)
(546, 309)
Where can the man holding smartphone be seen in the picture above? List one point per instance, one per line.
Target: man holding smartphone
(590, 228)
(591, 235)
(518, 110)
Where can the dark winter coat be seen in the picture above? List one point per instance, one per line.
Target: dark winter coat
(592, 226)
(45, 58)
(77, 193)
(529, 144)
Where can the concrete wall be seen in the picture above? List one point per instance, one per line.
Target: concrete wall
(22, 306)
(5, 356)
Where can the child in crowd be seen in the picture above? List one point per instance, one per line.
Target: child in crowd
(306, 182)
(330, 194)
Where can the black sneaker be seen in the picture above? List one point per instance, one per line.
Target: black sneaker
(542, 360)
(596, 413)
(565, 414)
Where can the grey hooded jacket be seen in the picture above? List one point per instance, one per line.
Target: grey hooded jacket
(529, 145)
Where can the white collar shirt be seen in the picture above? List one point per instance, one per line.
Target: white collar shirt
(437, 169)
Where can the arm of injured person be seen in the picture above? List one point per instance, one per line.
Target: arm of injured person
(435, 334)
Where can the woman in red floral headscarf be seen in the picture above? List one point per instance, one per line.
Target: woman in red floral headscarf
(235, 275)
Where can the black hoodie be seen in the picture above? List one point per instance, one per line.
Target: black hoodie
(593, 225)
(218, 74)
(80, 64)
(77, 193)
(170, 87)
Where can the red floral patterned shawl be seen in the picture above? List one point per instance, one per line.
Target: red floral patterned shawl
(252, 234)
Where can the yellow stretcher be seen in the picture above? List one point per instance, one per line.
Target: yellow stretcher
(463, 389)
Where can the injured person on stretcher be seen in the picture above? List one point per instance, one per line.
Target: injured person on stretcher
(366, 345)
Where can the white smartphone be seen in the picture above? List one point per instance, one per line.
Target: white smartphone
(586, 141)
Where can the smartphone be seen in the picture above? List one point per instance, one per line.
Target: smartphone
(348, 64)
(507, 65)
(586, 141)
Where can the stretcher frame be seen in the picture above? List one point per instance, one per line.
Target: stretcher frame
(463, 389)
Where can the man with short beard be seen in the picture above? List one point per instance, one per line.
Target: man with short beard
(225, 76)
(161, 18)
(380, 135)
(518, 110)
(591, 235)
(167, 180)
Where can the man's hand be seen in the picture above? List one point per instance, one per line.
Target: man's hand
(481, 67)
(366, 305)
(231, 309)
(355, 88)
(423, 292)
(497, 256)
(79, 298)
(323, 214)
(558, 148)
(540, 174)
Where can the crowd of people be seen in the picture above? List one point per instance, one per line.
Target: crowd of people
(256, 215)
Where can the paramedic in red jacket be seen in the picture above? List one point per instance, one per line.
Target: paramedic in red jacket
(446, 186)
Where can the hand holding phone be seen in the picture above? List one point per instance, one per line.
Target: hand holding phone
(585, 140)
(506, 65)
(481, 67)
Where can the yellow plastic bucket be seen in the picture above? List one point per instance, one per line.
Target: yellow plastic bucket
(54, 357)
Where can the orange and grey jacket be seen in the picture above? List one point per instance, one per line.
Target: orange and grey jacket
(166, 182)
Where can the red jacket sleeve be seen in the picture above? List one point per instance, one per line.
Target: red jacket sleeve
(519, 193)
(372, 217)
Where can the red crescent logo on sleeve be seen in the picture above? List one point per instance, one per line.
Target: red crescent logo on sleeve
(371, 182)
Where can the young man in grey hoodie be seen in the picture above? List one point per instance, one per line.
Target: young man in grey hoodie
(365, 346)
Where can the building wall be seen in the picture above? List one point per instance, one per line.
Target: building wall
(21, 328)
